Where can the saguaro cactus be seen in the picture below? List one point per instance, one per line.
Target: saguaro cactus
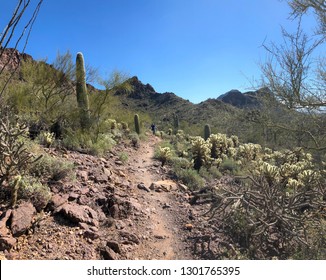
(175, 123)
(137, 126)
(207, 131)
(81, 90)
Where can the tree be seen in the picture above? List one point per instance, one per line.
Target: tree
(300, 7)
(18, 27)
(296, 76)
(293, 75)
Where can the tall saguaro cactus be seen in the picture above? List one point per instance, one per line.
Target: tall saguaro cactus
(81, 90)
(207, 131)
(137, 126)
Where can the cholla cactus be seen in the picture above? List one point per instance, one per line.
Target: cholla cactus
(46, 138)
(200, 152)
(164, 154)
(124, 125)
(111, 123)
(249, 151)
(180, 135)
(221, 145)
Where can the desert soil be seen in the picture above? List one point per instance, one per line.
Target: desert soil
(112, 210)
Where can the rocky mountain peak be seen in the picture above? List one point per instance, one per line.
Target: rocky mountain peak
(10, 59)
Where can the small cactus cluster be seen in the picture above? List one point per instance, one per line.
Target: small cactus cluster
(164, 155)
(111, 123)
(46, 138)
(290, 168)
(222, 146)
(201, 150)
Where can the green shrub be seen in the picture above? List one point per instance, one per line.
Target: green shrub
(52, 168)
(230, 166)
(190, 177)
(46, 138)
(134, 137)
(103, 144)
(33, 190)
(123, 157)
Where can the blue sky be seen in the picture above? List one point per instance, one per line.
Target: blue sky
(197, 49)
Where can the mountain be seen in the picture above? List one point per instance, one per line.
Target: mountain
(162, 106)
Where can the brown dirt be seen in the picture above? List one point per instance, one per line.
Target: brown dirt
(147, 224)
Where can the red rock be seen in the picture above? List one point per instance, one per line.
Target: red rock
(22, 218)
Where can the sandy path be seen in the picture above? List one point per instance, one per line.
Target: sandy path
(164, 242)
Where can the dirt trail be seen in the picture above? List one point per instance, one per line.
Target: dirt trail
(165, 221)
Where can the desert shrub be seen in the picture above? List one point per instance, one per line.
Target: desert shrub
(33, 190)
(135, 141)
(190, 177)
(180, 163)
(79, 140)
(52, 168)
(102, 145)
(230, 166)
(14, 158)
(214, 171)
(46, 138)
(279, 211)
(123, 157)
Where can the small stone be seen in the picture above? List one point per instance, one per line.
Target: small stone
(189, 227)
(114, 246)
(142, 186)
(166, 205)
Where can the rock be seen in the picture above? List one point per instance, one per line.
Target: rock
(91, 234)
(99, 177)
(73, 196)
(22, 218)
(166, 205)
(80, 214)
(83, 226)
(83, 175)
(83, 200)
(159, 236)
(115, 246)
(154, 186)
(57, 200)
(108, 254)
(189, 227)
(131, 238)
(7, 242)
(120, 224)
(142, 186)
(3, 222)
(166, 186)
(183, 187)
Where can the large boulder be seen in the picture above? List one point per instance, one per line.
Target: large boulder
(80, 214)
(22, 218)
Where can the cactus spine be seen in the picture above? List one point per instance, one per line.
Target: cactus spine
(81, 90)
(137, 126)
(207, 131)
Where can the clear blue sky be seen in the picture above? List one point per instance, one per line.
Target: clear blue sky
(197, 49)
